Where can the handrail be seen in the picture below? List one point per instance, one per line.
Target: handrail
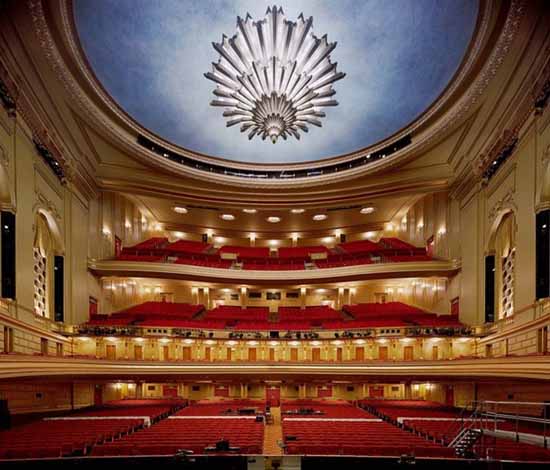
(489, 410)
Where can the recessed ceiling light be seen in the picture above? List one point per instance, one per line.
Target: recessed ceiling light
(180, 210)
(367, 210)
(273, 219)
(227, 217)
(297, 211)
(318, 217)
(250, 211)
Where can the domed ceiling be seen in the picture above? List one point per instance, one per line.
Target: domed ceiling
(398, 57)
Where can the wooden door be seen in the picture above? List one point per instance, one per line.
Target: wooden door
(339, 354)
(293, 354)
(360, 353)
(228, 354)
(98, 395)
(316, 354)
(435, 353)
(376, 391)
(111, 351)
(138, 352)
(449, 396)
(251, 354)
(408, 353)
(207, 354)
(271, 354)
(186, 353)
(383, 353)
(165, 353)
(273, 396)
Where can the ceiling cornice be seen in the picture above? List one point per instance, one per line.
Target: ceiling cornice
(120, 131)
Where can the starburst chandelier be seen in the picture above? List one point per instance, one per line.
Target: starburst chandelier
(274, 76)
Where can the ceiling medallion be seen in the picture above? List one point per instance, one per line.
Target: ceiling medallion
(274, 75)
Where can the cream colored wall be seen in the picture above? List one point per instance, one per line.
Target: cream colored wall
(34, 188)
(520, 187)
(37, 397)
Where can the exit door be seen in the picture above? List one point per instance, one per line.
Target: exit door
(273, 396)
(316, 354)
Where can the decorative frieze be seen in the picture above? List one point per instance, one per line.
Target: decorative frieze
(506, 202)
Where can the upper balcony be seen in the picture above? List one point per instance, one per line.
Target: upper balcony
(360, 260)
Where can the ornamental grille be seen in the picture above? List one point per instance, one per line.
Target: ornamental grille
(39, 283)
(508, 264)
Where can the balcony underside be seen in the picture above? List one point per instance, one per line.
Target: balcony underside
(506, 368)
(441, 268)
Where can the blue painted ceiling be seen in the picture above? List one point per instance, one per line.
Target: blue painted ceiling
(399, 56)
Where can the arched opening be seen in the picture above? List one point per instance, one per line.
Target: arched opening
(504, 248)
(5, 194)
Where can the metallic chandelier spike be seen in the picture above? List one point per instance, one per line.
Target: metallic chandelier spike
(274, 75)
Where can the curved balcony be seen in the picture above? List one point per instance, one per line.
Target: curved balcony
(524, 367)
(442, 268)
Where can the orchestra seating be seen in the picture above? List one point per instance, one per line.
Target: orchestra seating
(335, 427)
(77, 433)
(61, 438)
(195, 428)
(220, 408)
(323, 409)
(390, 250)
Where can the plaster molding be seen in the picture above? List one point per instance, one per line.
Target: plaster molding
(444, 268)
(504, 368)
(4, 158)
(42, 202)
(505, 203)
(126, 139)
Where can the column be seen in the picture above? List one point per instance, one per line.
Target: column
(206, 297)
(408, 391)
(303, 297)
(340, 298)
(244, 297)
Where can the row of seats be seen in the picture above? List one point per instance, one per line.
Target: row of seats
(441, 424)
(209, 408)
(59, 438)
(181, 315)
(261, 258)
(171, 435)
(149, 313)
(322, 437)
(323, 409)
(398, 314)
(195, 428)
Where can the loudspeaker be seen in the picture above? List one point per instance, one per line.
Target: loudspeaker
(490, 289)
(7, 220)
(543, 255)
(205, 238)
(342, 238)
(58, 285)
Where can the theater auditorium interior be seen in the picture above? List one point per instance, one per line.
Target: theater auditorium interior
(309, 235)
